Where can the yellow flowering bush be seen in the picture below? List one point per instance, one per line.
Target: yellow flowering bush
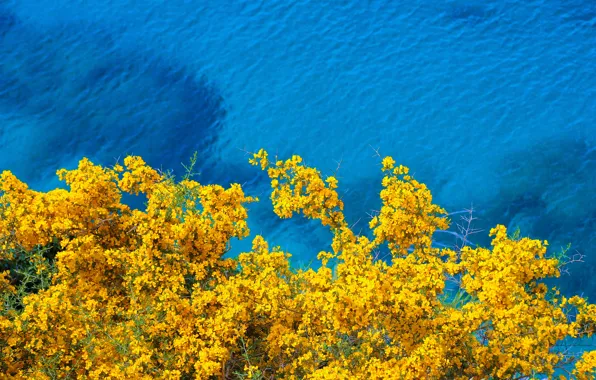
(94, 289)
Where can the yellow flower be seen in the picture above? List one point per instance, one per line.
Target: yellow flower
(388, 163)
(105, 291)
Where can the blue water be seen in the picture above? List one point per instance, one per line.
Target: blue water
(490, 103)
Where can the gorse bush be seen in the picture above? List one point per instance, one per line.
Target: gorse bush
(94, 289)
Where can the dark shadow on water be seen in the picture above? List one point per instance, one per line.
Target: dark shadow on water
(8, 20)
(549, 192)
(81, 92)
(470, 13)
(577, 12)
(525, 202)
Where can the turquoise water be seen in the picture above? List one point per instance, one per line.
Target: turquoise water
(490, 103)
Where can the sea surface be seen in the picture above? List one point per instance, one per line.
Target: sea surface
(492, 104)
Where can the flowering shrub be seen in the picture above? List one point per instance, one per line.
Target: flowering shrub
(93, 289)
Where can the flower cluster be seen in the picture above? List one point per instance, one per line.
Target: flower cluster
(94, 289)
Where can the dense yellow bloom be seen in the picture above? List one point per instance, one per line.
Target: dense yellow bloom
(96, 290)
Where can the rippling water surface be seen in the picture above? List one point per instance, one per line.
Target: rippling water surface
(490, 103)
